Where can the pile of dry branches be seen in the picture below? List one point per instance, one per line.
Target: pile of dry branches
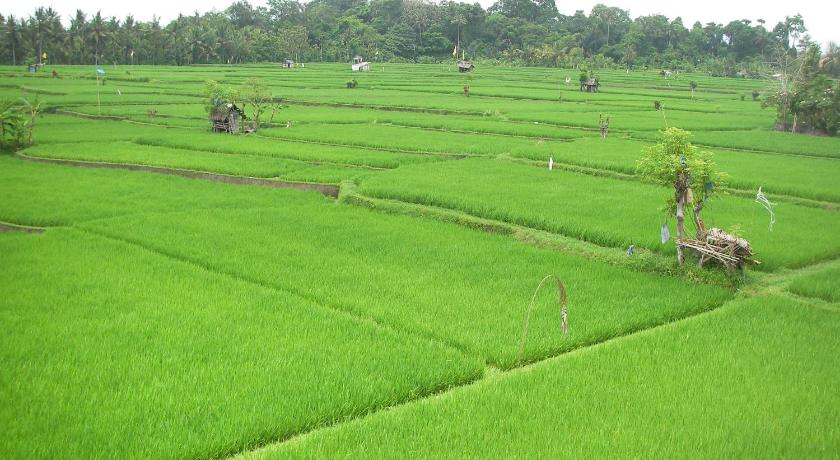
(716, 244)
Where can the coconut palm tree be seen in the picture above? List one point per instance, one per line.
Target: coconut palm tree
(12, 37)
(99, 34)
(77, 38)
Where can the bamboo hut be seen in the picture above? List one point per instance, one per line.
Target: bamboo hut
(226, 118)
(465, 66)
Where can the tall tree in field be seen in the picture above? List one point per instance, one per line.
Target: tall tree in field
(255, 92)
(676, 163)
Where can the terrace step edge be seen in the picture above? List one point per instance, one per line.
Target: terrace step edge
(328, 190)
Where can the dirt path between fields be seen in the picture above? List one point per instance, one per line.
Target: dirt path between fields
(325, 189)
(9, 228)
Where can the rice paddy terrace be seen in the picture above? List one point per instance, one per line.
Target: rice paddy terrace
(352, 281)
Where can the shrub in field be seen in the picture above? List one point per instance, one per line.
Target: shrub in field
(18, 121)
(256, 93)
(674, 161)
(12, 125)
(217, 94)
(31, 109)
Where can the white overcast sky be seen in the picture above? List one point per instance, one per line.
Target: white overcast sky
(821, 16)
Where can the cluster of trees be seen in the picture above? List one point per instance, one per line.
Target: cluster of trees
(529, 32)
(254, 96)
(806, 98)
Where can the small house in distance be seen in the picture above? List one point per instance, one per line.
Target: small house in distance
(465, 66)
(226, 118)
(589, 86)
(360, 65)
(289, 64)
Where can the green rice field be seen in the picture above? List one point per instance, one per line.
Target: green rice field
(359, 277)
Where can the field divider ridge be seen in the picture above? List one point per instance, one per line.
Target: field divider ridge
(642, 260)
(387, 108)
(619, 175)
(8, 227)
(477, 133)
(419, 334)
(143, 141)
(492, 374)
(454, 156)
(328, 190)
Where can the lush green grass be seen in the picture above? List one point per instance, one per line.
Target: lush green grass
(95, 363)
(772, 141)
(648, 120)
(824, 284)
(187, 318)
(407, 272)
(737, 382)
(401, 139)
(62, 129)
(277, 148)
(814, 178)
(38, 194)
(240, 165)
(605, 211)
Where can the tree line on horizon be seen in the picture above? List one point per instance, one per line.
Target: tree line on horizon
(518, 32)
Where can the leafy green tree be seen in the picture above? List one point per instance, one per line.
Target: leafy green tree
(294, 42)
(216, 94)
(526, 32)
(31, 109)
(675, 162)
(256, 93)
(12, 125)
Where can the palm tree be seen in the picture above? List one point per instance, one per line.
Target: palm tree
(99, 34)
(78, 36)
(128, 39)
(156, 41)
(13, 37)
(39, 24)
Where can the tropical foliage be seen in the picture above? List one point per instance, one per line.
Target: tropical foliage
(530, 32)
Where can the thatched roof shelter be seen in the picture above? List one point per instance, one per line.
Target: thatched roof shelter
(465, 66)
(226, 118)
(590, 86)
